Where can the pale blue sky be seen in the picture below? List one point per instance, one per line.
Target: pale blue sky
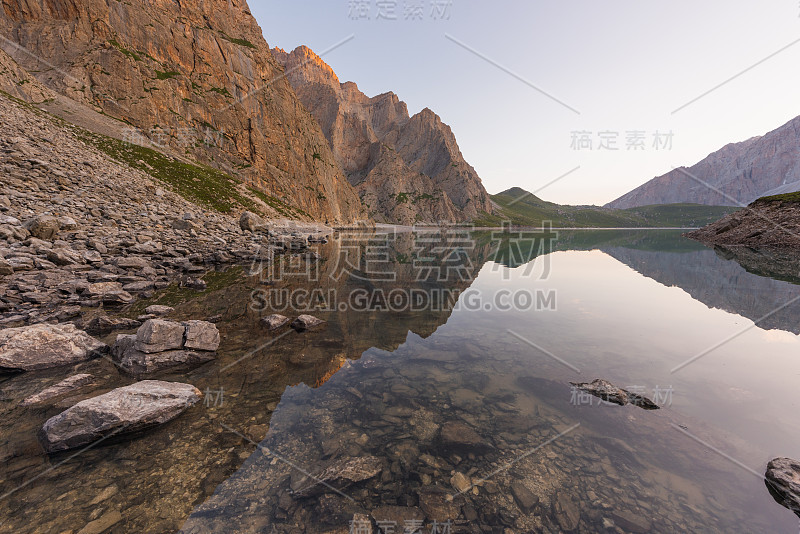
(625, 65)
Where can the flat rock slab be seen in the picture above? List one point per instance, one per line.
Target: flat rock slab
(338, 474)
(783, 482)
(42, 346)
(122, 411)
(67, 385)
(157, 309)
(459, 436)
(608, 392)
(306, 322)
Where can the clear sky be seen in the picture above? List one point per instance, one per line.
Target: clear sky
(515, 79)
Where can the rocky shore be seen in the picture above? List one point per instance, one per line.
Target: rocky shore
(79, 230)
(772, 222)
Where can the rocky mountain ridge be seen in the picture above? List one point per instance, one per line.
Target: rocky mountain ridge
(195, 78)
(407, 169)
(737, 174)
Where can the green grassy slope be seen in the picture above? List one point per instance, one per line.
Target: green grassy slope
(524, 209)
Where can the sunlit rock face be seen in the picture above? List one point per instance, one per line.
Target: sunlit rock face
(196, 77)
(407, 169)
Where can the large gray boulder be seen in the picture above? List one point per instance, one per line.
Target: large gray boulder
(122, 411)
(138, 363)
(201, 335)
(250, 222)
(41, 346)
(158, 335)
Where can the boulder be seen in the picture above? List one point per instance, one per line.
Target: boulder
(250, 222)
(43, 227)
(306, 322)
(159, 310)
(122, 411)
(158, 335)
(104, 324)
(67, 385)
(67, 223)
(108, 292)
(201, 335)
(274, 321)
(525, 498)
(138, 363)
(42, 346)
(607, 391)
(6, 268)
(783, 482)
(132, 262)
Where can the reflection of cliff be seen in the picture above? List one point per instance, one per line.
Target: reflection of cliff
(718, 283)
(371, 289)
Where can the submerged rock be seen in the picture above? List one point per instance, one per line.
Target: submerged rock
(121, 411)
(67, 385)
(783, 482)
(607, 391)
(338, 474)
(42, 346)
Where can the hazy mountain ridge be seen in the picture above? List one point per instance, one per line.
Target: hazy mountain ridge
(737, 173)
(407, 169)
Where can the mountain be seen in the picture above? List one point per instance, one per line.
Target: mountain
(771, 222)
(406, 169)
(737, 174)
(522, 208)
(196, 78)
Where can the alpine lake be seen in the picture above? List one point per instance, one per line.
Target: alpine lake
(438, 395)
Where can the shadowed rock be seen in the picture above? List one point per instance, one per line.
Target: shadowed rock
(306, 322)
(783, 482)
(67, 385)
(611, 393)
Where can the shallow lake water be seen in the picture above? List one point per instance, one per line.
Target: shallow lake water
(440, 385)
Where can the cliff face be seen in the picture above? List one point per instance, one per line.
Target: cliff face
(406, 169)
(195, 76)
(742, 171)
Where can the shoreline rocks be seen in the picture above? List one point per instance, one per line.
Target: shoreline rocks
(121, 411)
(783, 482)
(306, 322)
(159, 345)
(42, 346)
(68, 385)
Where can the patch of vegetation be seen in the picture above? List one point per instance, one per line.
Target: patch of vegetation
(221, 90)
(786, 197)
(278, 205)
(166, 75)
(240, 42)
(197, 183)
(402, 198)
(129, 53)
(423, 196)
(316, 156)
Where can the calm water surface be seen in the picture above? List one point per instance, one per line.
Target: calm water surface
(436, 396)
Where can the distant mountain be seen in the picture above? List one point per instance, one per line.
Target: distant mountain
(525, 209)
(745, 171)
(407, 169)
